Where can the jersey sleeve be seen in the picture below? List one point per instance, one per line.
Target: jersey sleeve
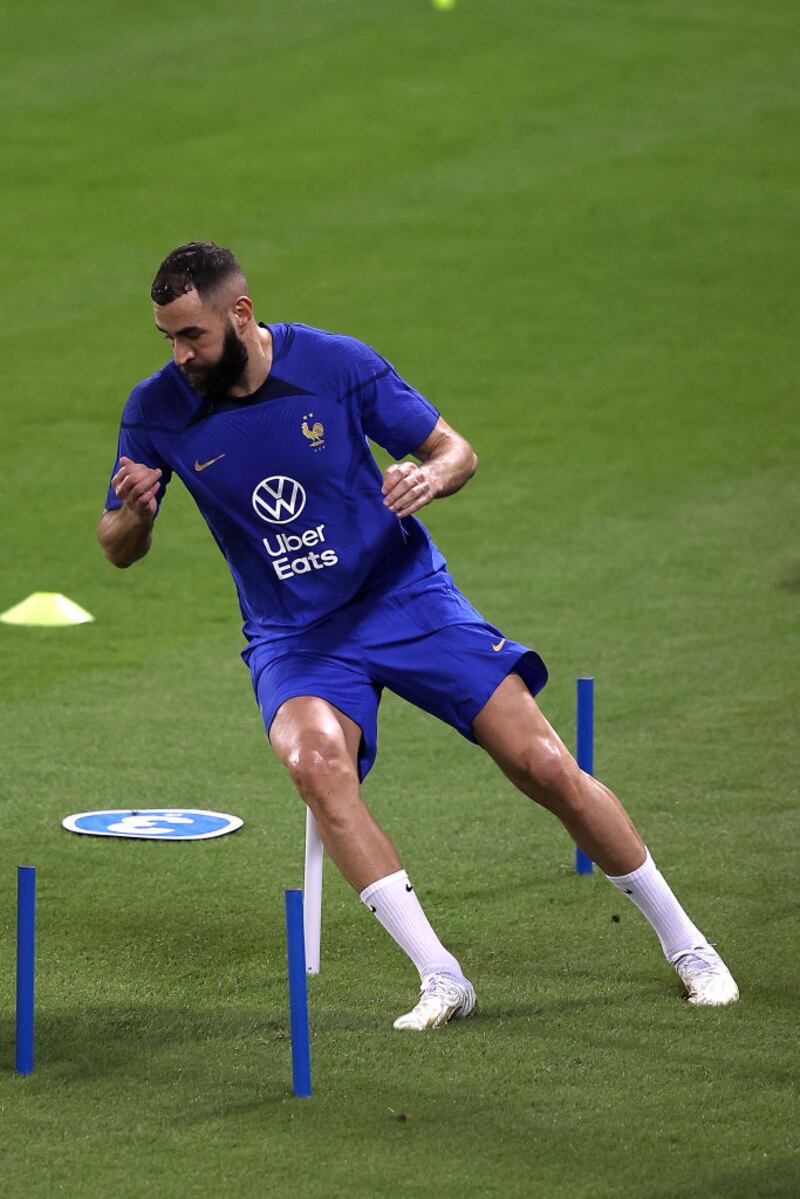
(396, 416)
(134, 443)
(393, 413)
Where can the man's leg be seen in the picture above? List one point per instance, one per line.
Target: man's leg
(318, 744)
(512, 729)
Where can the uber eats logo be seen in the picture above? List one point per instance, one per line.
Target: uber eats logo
(279, 500)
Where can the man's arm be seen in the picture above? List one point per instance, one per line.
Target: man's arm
(126, 533)
(447, 460)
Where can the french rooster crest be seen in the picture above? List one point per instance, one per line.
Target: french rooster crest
(315, 433)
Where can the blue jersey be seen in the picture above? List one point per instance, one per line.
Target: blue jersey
(285, 479)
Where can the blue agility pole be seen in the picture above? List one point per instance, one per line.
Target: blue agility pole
(26, 955)
(298, 994)
(585, 752)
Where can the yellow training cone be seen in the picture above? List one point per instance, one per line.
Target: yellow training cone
(46, 608)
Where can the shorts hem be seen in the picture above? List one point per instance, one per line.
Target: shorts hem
(530, 668)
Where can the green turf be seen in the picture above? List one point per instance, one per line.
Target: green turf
(572, 224)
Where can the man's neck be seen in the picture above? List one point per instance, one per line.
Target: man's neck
(259, 361)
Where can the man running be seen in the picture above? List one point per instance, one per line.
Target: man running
(344, 593)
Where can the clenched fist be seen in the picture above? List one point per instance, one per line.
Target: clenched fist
(406, 488)
(137, 486)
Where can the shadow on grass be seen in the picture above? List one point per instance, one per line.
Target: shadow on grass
(790, 581)
(146, 1039)
(771, 1179)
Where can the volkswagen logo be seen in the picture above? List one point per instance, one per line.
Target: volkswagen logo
(277, 500)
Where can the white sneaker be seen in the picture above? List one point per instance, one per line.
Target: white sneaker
(442, 998)
(707, 979)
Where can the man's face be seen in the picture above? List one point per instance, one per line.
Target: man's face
(206, 348)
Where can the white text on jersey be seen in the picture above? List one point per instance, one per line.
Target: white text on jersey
(281, 544)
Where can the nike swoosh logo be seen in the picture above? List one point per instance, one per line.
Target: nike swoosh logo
(499, 646)
(211, 461)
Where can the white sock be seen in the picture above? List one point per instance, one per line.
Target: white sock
(395, 904)
(652, 895)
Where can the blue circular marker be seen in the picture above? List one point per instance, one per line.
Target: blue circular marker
(154, 824)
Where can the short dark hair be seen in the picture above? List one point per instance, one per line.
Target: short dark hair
(199, 265)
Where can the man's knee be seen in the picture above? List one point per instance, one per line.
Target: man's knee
(317, 761)
(546, 771)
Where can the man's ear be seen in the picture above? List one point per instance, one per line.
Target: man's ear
(242, 312)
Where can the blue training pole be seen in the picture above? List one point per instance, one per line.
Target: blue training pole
(26, 939)
(298, 994)
(585, 752)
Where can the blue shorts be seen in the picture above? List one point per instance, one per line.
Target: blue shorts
(424, 641)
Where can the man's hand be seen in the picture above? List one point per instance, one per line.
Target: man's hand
(406, 488)
(137, 486)
(447, 461)
(126, 533)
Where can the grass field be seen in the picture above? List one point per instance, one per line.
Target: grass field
(573, 225)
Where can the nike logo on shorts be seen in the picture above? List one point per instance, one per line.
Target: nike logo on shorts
(499, 646)
(211, 461)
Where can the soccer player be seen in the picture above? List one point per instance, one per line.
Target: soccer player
(344, 593)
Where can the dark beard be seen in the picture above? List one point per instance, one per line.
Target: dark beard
(215, 381)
